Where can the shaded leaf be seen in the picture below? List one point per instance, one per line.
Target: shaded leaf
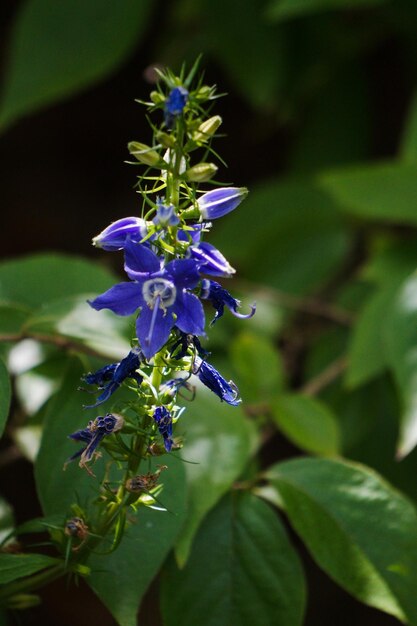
(218, 442)
(360, 530)
(60, 48)
(381, 191)
(5, 395)
(242, 571)
(286, 9)
(13, 566)
(308, 423)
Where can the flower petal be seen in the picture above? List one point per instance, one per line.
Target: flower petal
(122, 299)
(184, 273)
(140, 260)
(190, 314)
(152, 339)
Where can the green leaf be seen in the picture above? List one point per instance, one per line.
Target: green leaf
(242, 571)
(74, 319)
(287, 9)
(378, 191)
(12, 318)
(308, 423)
(218, 442)
(58, 49)
(401, 342)
(34, 280)
(5, 395)
(13, 566)
(359, 530)
(258, 365)
(121, 578)
(294, 232)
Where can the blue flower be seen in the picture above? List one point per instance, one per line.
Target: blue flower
(219, 297)
(160, 292)
(184, 342)
(212, 379)
(163, 420)
(174, 104)
(219, 202)
(114, 374)
(93, 434)
(211, 260)
(165, 215)
(114, 237)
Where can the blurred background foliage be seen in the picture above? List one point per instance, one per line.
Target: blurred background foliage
(321, 123)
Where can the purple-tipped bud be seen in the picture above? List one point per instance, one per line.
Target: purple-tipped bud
(114, 237)
(212, 261)
(219, 202)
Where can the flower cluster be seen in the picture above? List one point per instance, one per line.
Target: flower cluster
(171, 272)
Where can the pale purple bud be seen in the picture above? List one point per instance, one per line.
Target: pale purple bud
(219, 202)
(114, 237)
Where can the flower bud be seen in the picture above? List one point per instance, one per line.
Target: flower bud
(204, 92)
(207, 128)
(201, 172)
(219, 202)
(114, 237)
(156, 97)
(143, 153)
(167, 140)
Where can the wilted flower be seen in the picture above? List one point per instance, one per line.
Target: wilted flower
(212, 379)
(163, 419)
(219, 297)
(114, 374)
(93, 434)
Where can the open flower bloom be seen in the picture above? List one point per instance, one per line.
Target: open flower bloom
(93, 434)
(163, 419)
(161, 292)
(212, 379)
(111, 376)
(219, 297)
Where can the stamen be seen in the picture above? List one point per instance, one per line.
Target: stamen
(153, 320)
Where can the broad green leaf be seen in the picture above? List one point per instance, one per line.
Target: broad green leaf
(12, 319)
(377, 191)
(360, 530)
(307, 422)
(5, 395)
(218, 441)
(258, 366)
(73, 318)
(287, 9)
(34, 280)
(401, 350)
(14, 566)
(119, 579)
(242, 571)
(59, 48)
(286, 234)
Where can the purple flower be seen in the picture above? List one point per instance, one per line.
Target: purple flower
(163, 420)
(93, 434)
(160, 292)
(212, 379)
(114, 374)
(174, 104)
(219, 202)
(219, 297)
(114, 236)
(211, 260)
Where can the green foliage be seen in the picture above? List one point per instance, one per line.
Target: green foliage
(5, 395)
(14, 566)
(285, 9)
(218, 442)
(242, 571)
(359, 530)
(47, 65)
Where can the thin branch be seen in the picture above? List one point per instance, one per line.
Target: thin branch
(312, 306)
(325, 378)
(56, 340)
